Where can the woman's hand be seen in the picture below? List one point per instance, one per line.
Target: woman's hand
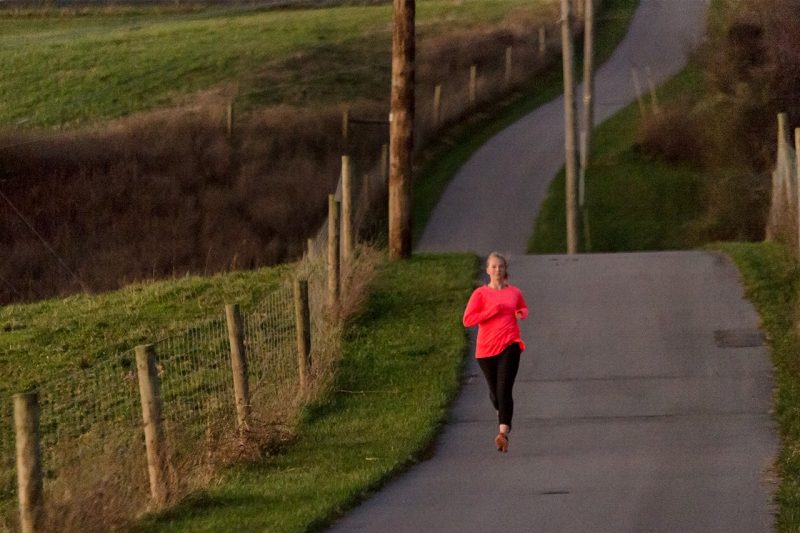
(520, 315)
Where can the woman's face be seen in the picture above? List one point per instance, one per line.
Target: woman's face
(496, 268)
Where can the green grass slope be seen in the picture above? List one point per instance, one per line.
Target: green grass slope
(43, 340)
(633, 201)
(402, 359)
(103, 64)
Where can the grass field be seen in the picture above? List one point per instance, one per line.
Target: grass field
(70, 70)
(43, 340)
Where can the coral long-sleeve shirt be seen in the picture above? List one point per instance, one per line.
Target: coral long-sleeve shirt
(494, 312)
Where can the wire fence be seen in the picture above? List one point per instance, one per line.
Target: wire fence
(783, 224)
(95, 471)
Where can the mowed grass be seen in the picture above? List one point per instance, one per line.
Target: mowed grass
(633, 201)
(45, 340)
(401, 366)
(66, 69)
(772, 281)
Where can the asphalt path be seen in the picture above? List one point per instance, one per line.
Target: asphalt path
(642, 405)
(493, 200)
(643, 400)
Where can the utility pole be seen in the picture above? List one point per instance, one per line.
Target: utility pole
(569, 127)
(588, 95)
(401, 130)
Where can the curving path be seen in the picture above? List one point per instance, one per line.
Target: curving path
(643, 401)
(493, 200)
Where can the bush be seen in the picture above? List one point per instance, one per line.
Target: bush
(751, 66)
(677, 135)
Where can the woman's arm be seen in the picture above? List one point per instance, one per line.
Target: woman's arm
(476, 311)
(522, 308)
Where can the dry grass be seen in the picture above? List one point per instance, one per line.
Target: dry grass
(166, 193)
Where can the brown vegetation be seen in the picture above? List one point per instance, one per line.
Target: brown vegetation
(751, 69)
(166, 193)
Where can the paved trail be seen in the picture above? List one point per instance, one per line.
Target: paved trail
(629, 416)
(494, 198)
(642, 403)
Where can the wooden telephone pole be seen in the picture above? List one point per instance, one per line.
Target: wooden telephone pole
(588, 94)
(569, 127)
(401, 129)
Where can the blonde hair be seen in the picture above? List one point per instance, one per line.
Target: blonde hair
(499, 256)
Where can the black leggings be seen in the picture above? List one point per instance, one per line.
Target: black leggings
(500, 371)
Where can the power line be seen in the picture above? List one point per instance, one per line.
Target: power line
(11, 287)
(44, 242)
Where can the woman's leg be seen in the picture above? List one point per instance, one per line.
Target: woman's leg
(507, 368)
(489, 368)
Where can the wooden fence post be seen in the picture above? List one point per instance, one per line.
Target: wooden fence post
(333, 254)
(637, 87)
(797, 186)
(570, 127)
(508, 66)
(347, 213)
(230, 119)
(29, 462)
(241, 385)
(779, 192)
(542, 42)
(345, 123)
(310, 247)
(473, 84)
(437, 104)
(302, 317)
(150, 394)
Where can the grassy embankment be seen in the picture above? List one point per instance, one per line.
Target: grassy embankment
(104, 64)
(400, 368)
(44, 340)
(634, 201)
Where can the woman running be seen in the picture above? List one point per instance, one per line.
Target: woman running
(495, 309)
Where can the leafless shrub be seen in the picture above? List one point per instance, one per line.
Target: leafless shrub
(676, 135)
(751, 71)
